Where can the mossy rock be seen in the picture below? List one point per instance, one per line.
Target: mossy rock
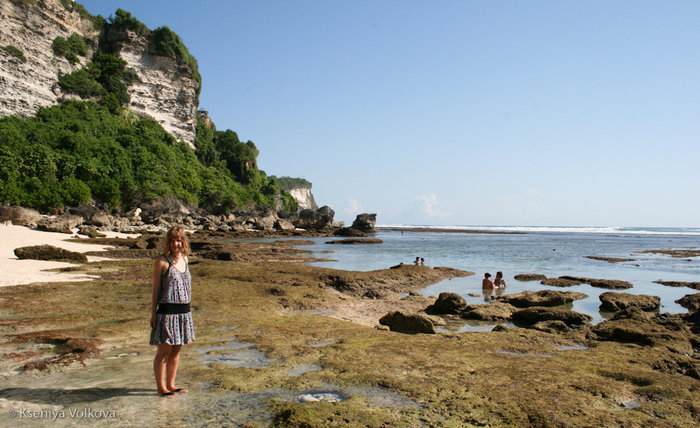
(49, 252)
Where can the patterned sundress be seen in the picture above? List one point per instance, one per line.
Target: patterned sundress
(174, 329)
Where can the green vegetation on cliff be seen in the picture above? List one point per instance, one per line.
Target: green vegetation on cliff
(77, 151)
(12, 50)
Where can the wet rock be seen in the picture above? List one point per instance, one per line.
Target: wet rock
(447, 303)
(527, 299)
(690, 301)
(282, 224)
(49, 252)
(19, 216)
(265, 223)
(613, 302)
(349, 232)
(636, 326)
(62, 223)
(403, 322)
(609, 259)
(365, 223)
(554, 326)
(319, 219)
(90, 231)
(693, 285)
(495, 311)
(530, 277)
(560, 282)
(536, 314)
(354, 241)
(613, 284)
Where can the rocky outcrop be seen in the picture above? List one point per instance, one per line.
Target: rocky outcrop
(447, 303)
(349, 232)
(613, 284)
(49, 252)
(527, 299)
(31, 27)
(365, 223)
(403, 322)
(613, 302)
(534, 315)
(495, 311)
(560, 282)
(690, 302)
(165, 90)
(321, 218)
(693, 285)
(304, 197)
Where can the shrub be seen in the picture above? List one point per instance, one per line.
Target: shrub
(15, 52)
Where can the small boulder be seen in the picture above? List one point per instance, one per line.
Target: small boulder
(536, 314)
(61, 224)
(690, 302)
(403, 322)
(447, 303)
(49, 252)
(495, 311)
(349, 232)
(613, 284)
(613, 302)
(284, 225)
(554, 326)
(18, 215)
(90, 231)
(527, 299)
(560, 282)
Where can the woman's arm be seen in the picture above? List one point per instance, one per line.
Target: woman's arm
(155, 279)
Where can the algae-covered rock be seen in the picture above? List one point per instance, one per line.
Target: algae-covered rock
(61, 224)
(560, 282)
(353, 241)
(49, 252)
(536, 314)
(690, 301)
(530, 277)
(553, 326)
(447, 303)
(527, 299)
(613, 284)
(403, 322)
(693, 285)
(495, 311)
(613, 302)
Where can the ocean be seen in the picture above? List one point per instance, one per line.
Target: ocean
(551, 251)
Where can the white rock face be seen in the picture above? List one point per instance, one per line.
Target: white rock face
(304, 197)
(166, 91)
(28, 86)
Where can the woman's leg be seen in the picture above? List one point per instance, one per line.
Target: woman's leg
(171, 368)
(159, 366)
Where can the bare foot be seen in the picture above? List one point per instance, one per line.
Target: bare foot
(179, 390)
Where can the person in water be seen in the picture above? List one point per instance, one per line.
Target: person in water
(487, 282)
(171, 318)
(417, 261)
(499, 282)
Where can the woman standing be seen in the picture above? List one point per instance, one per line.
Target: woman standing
(171, 318)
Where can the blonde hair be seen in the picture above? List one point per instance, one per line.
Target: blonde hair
(174, 233)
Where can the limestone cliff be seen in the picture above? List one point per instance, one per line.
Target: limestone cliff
(304, 197)
(26, 86)
(165, 90)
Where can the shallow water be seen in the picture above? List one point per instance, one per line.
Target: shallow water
(550, 253)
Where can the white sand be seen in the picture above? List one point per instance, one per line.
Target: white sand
(15, 271)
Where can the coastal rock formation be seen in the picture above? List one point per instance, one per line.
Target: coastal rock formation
(31, 27)
(403, 322)
(536, 314)
(321, 218)
(356, 241)
(61, 224)
(495, 311)
(636, 326)
(530, 277)
(165, 89)
(401, 279)
(552, 326)
(349, 232)
(609, 259)
(365, 223)
(690, 302)
(304, 197)
(560, 282)
(19, 216)
(614, 284)
(447, 303)
(49, 252)
(613, 302)
(527, 299)
(693, 285)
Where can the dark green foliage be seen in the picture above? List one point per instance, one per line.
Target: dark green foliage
(166, 43)
(15, 52)
(240, 158)
(288, 183)
(70, 48)
(77, 151)
(71, 6)
(105, 76)
(123, 19)
(82, 83)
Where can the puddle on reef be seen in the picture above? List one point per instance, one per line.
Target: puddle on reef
(326, 311)
(629, 405)
(322, 344)
(303, 369)
(572, 348)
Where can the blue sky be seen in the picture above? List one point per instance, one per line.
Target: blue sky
(459, 112)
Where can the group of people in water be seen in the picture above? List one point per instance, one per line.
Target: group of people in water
(419, 261)
(498, 282)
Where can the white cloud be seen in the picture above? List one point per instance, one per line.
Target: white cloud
(428, 205)
(354, 207)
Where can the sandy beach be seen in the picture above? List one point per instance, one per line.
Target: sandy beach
(16, 271)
